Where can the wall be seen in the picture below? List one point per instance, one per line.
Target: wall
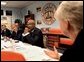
(38, 16)
(16, 13)
(20, 13)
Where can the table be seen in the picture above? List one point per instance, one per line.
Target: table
(30, 52)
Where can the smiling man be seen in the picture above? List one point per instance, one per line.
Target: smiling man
(35, 36)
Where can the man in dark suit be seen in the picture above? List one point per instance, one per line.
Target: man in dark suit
(35, 36)
(70, 16)
(4, 31)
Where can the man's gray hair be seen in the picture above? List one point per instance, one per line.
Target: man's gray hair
(72, 10)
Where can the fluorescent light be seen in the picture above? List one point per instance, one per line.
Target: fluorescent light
(3, 3)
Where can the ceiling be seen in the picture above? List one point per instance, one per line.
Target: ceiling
(18, 4)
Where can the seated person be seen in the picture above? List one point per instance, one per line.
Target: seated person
(16, 34)
(5, 32)
(35, 36)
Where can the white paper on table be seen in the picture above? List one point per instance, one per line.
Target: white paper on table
(5, 44)
(34, 53)
(30, 52)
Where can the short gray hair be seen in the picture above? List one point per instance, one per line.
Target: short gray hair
(72, 10)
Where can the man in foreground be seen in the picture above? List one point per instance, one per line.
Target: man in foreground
(70, 16)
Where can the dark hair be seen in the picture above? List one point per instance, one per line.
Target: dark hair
(18, 21)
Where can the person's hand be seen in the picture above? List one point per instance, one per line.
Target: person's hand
(53, 54)
(7, 38)
(26, 30)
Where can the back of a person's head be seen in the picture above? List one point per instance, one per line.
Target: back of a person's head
(73, 11)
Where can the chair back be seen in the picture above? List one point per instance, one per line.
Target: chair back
(11, 56)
